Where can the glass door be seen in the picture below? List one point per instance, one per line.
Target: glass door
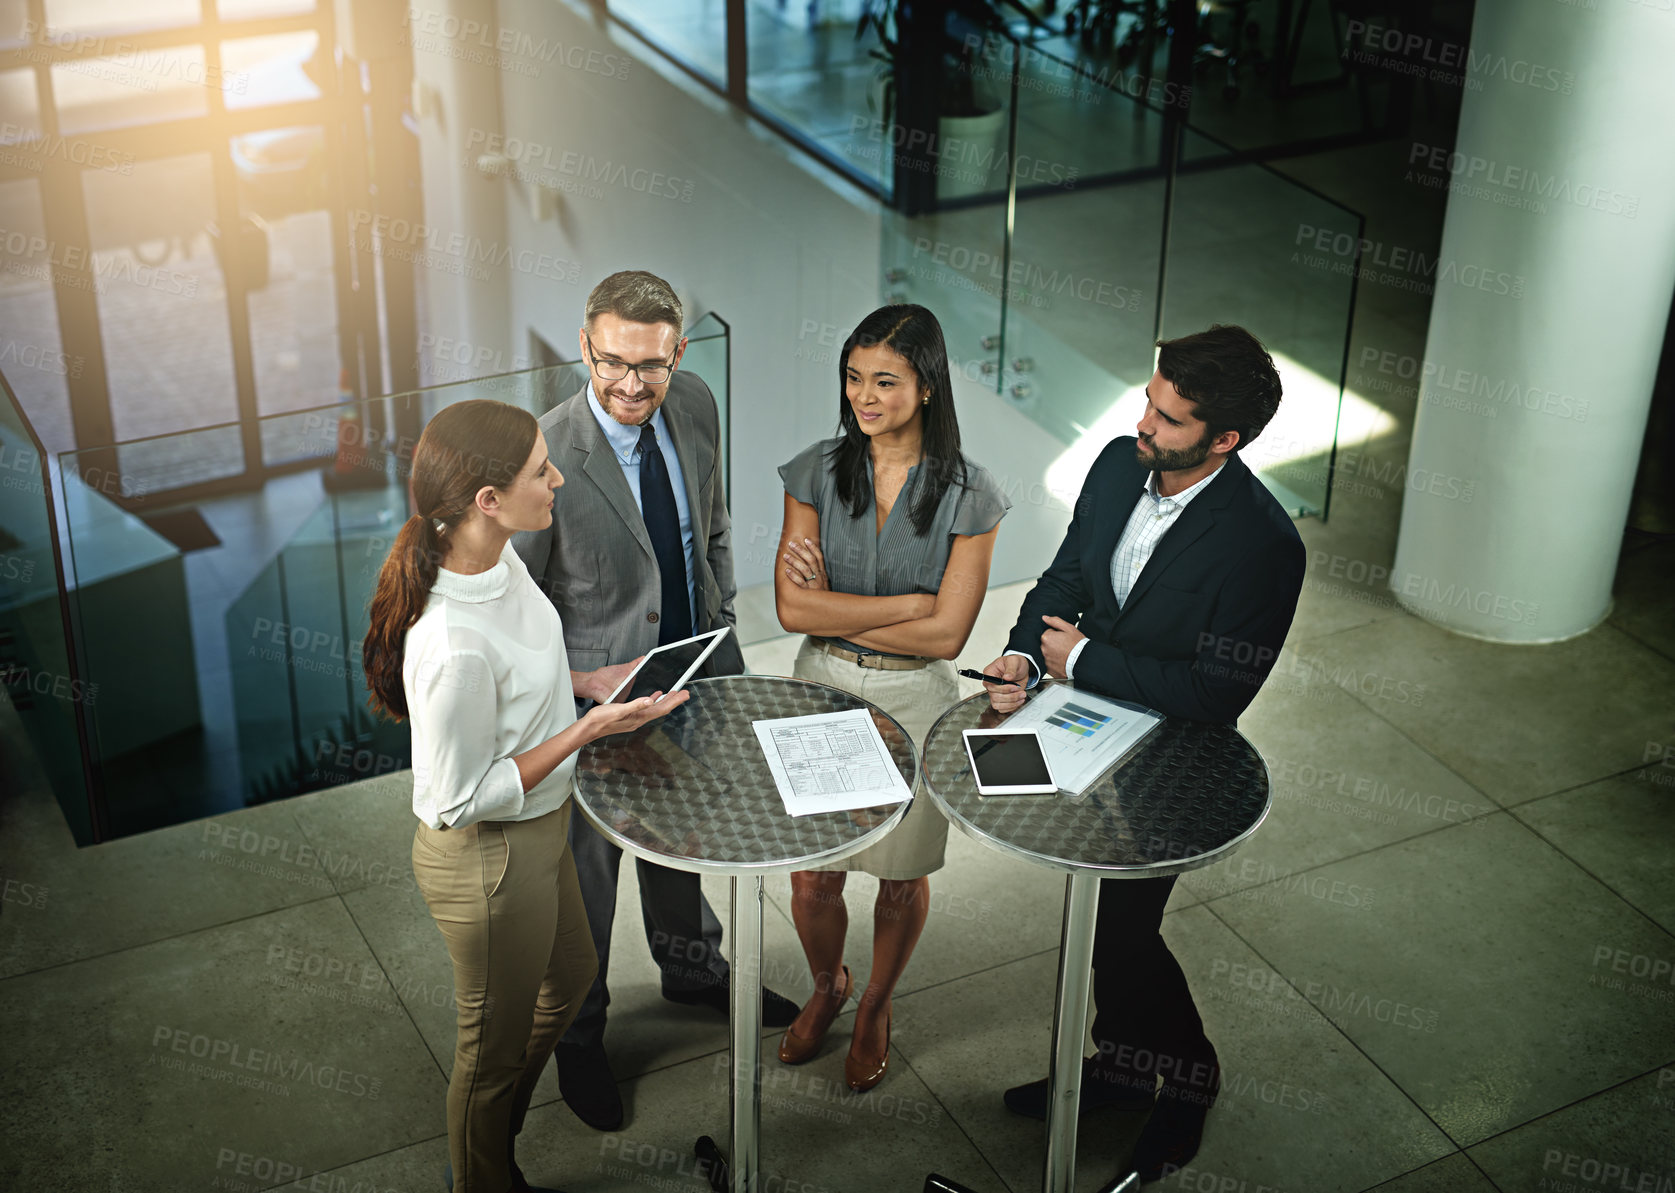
(179, 163)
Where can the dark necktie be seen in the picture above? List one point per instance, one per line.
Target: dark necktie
(657, 506)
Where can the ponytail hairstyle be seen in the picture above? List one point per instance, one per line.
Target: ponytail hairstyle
(466, 446)
(913, 332)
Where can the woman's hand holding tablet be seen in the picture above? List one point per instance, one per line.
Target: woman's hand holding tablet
(668, 667)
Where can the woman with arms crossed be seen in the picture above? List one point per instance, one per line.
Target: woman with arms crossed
(463, 643)
(885, 554)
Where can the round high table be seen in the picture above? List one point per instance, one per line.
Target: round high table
(692, 791)
(1189, 795)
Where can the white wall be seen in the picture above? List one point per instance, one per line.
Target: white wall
(654, 172)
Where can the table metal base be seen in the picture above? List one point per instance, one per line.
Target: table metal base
(1070, 1025)
(741, 1167)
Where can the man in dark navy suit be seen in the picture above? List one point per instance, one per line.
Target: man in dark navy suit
(1177, 560)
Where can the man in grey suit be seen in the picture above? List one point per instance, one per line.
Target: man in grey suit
(639, 554)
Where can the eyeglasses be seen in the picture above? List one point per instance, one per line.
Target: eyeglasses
(616, 370)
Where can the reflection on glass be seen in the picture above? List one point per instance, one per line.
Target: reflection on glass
(134, 86)
(31, 351)
(247, 685)
(808, 69)
(706, 355)
(14, 17)
(1234, 258)
(255, 10)
(693, 32)
(119, 16)
(20, 102)
(157, 271)
(293, 321)
(258, 71)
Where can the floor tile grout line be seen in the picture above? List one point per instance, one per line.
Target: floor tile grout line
(958, 1126)
(406, 1010)
(1638, 640)
(1570, 1105)
(1628, 770)
(379, 961)
(390, 1151)
(1206, 900)
(1499, 806)
(1462, 1147)
(1472, 1160)
(1403, 1175)
(1618, 895)
(850, 1011)
(1348, 1039)
(1409, 738)
(145, 944)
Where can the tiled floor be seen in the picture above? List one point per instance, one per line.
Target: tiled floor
(1442, 965)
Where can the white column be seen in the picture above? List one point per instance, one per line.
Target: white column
(1553, 290)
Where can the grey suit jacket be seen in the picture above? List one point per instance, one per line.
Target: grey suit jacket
(595, 561)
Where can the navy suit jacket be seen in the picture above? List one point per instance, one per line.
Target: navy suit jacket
(1209, 612)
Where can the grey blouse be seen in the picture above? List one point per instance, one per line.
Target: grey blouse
(893, 561)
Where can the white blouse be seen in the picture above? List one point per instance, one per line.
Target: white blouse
(487, 678)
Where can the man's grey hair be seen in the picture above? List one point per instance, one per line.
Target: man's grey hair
(638, 297)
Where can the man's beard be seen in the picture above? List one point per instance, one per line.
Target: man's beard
(1158, 459)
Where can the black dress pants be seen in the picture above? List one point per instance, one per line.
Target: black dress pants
(1146, 1021)
(681, 928)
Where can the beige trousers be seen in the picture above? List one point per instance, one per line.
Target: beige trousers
(914, 848)
(504, 894)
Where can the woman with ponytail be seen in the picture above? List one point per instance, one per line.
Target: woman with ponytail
(465, 646)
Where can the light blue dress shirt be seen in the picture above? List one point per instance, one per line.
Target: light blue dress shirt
(625, 445)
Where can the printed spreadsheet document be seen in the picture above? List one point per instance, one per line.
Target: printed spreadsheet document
(830, 762)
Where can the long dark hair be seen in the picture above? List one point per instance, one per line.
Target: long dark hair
(913, 332)
(466, 446)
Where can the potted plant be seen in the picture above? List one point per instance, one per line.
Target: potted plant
(971, 119)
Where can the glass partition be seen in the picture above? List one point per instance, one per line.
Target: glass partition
(810, 72)
(1084, 259)
(1248, 246)
(224, 637)
(692, 32)
(708, 354)
(1123, 224)
(38, 671)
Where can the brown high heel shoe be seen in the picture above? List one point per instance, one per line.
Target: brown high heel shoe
(862, 1075)
(793, 1049)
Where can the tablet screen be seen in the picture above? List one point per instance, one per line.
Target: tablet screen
(664, 667)
(1009, 760)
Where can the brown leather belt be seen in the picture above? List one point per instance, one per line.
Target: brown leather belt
(877, 662)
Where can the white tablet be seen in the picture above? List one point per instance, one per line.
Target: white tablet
(668, 667)
(1009, 762)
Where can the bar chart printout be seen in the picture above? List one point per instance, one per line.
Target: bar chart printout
(829, 762)
(1084, 735)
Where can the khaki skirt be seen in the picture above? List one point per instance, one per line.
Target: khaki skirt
(914, 848)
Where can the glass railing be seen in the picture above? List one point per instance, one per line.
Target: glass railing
(223, 639)
(1055, 270)
(39, 672)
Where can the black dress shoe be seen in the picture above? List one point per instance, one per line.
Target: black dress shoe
(777, 1010)
(1100, 1089)
(1175, 1130)
(588, 1085)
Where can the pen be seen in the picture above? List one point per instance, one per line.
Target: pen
(978, 675)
